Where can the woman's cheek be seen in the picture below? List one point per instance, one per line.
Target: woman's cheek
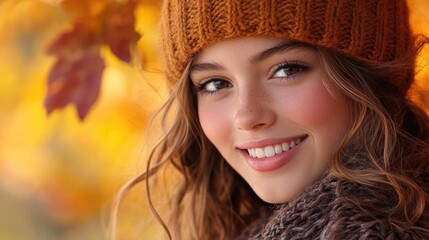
(312, 106)
(214, 122)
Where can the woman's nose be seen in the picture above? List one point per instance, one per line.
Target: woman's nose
(254, 110)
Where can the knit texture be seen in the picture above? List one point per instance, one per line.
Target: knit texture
(331, 209)
(369, 30)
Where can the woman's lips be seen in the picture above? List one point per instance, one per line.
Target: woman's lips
(273, 156)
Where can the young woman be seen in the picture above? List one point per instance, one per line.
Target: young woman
(292, 120)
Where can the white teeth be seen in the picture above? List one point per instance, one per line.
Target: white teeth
(269, 151)
(285, 147)
(259, 152)
(251, 152)
(272, 150)
(278, 149)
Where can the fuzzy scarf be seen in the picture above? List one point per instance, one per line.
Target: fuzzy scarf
(333, 209)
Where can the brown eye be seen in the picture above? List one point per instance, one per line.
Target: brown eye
(213, 85)
(286, 70)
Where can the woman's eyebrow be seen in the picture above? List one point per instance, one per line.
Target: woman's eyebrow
(205, 67)
(277, 49)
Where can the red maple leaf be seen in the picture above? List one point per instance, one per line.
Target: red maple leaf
(119, 31)
(76, 76)
(75, 81)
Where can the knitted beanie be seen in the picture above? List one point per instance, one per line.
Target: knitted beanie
(368, 30)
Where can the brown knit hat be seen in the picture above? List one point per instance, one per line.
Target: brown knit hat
(369, 30)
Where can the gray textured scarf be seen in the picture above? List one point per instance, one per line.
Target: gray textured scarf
(333, 209)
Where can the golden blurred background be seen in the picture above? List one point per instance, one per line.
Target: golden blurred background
(57, 173)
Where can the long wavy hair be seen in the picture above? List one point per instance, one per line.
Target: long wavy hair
(387, 147)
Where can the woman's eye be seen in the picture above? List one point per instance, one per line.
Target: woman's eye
(213, 85)
(286, 70)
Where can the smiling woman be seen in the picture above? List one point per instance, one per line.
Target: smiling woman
(292, 120)
(273, 96)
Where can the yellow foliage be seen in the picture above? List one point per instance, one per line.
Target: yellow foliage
(60, 169)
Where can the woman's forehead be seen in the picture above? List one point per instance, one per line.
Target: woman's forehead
(253, 48)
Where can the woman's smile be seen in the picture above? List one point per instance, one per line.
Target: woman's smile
(265, 151)
(273, 156)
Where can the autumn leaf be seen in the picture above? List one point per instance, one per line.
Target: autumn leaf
(75, 78)
(76, 81)
(79, 38)
(119, 32)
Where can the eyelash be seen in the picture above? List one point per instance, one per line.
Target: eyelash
(200, 88)
(300, 67)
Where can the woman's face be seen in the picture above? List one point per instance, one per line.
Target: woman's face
(263, 103)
